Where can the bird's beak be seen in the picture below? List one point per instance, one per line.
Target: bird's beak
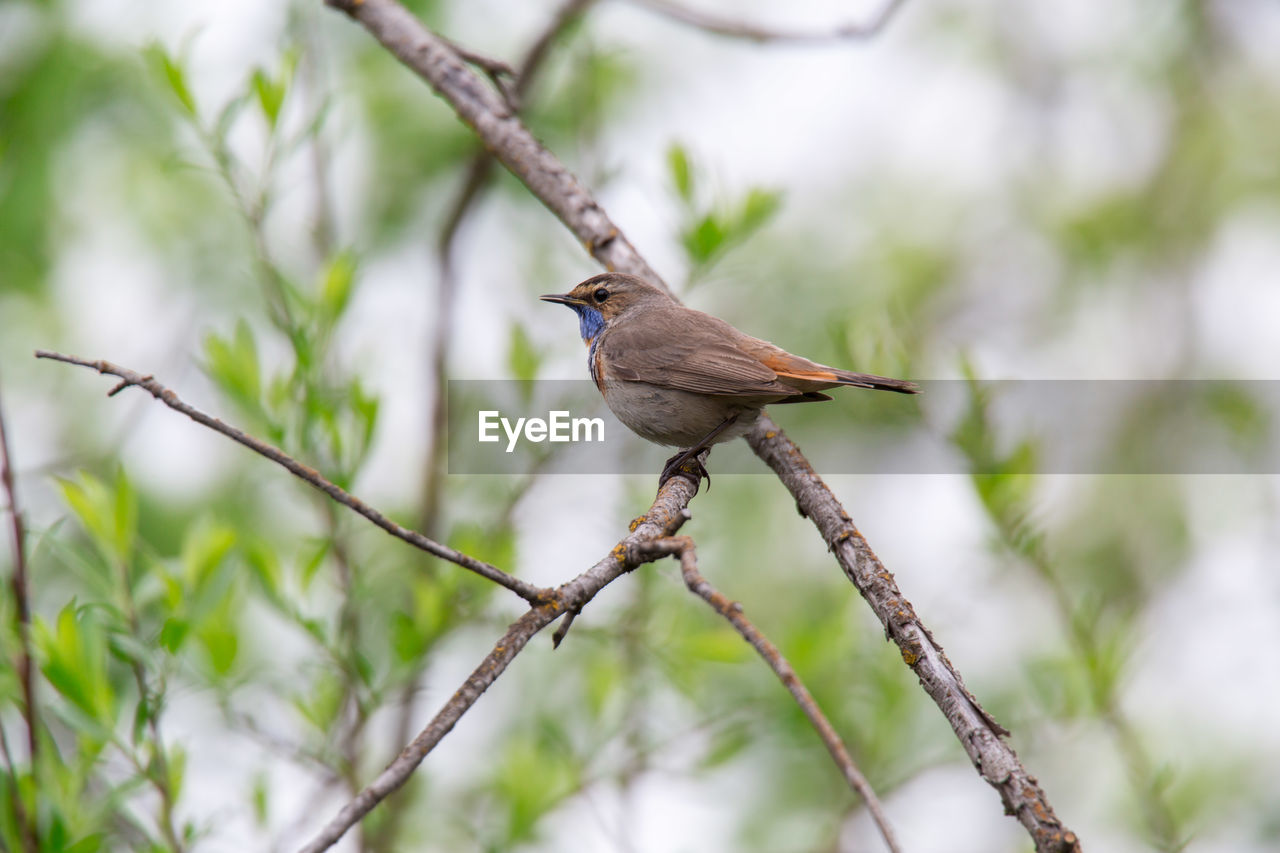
(563, 299)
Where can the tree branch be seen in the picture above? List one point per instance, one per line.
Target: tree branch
(552, 184)
(668, 512)
(978, 732)
(129, 377)
(752, 32)
(682, 548)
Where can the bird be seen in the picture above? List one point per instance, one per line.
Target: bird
(682, 378)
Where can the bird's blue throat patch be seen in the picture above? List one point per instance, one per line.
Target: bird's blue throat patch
(590, 321)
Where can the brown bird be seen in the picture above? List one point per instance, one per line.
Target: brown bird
(682, 378)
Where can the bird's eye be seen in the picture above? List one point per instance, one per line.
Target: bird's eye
(600, 295)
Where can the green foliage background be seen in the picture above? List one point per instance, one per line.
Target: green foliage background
(223, 657)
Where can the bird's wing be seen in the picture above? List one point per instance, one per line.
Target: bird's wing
(689, 351)
(809, 376)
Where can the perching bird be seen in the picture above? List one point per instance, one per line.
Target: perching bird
(682, 378)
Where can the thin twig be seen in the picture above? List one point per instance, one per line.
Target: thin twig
(488, 64)
(22, 619)
(668, 513)
(682, 548)
(497, 70)
(721, 26)
(551, 183)
(129, 378)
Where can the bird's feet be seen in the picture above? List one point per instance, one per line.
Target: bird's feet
(685, 464)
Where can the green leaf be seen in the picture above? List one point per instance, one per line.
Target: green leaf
(704, 239)
(233, 365)
(74, 654)
(87, 499)
(173, 633)
(758, 208)
(523, 358)
(270, 95)
(87, 844)
(432, 606)
(336, 287)
(365, 407)
(265, 564)
(407, 641)
(173, 74)
(125, 516)
(177, 764)
(221, 645)
(259, 797)
(109, 515)
(322, 706)
(219, 637)
(205, 546)
(313, 562)
(681, 172)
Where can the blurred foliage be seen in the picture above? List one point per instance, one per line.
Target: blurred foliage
(259, 618)
(711, 229)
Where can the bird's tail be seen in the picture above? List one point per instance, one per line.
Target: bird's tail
(879, 383)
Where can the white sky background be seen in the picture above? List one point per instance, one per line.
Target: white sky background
(753, 116)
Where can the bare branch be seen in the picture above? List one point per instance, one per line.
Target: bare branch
(488, 64)
(668, 512)
(552, 184)
(22, 619)
(977, 731)
(682, 547)
(752, 32)
(129, 377)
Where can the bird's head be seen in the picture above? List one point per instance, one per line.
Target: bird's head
(602, 299)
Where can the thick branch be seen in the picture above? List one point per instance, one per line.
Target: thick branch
(753, 32)
(130, 377)
(682, 547)
(552, 184)
(668, 512)
(979, 734)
